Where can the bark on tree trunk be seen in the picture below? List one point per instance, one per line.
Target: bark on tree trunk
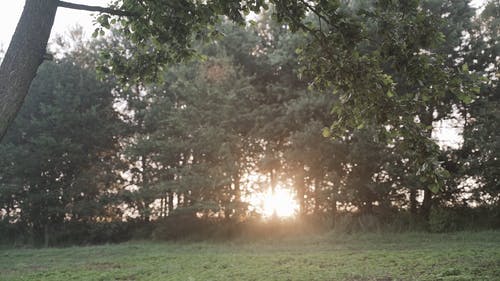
(426, 117)
(237, 192)
(317, 195)
(301, 189)
(23, 57)
(334, 203)
(413, 202)
(170, 203)
(145, 186)
(426, 204)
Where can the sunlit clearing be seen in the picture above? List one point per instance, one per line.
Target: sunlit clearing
(282, 203)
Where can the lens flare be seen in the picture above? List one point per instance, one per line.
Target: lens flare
(281, 203)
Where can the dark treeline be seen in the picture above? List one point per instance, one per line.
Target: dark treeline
(89, 160)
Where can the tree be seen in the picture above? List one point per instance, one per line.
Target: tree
(147, 23)
(25, 53)
(59, 158)
(158, 38)
(193, 140)
(479, 157)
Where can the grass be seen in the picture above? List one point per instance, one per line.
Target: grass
(360, 257)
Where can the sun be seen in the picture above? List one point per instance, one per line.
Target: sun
(281, 203)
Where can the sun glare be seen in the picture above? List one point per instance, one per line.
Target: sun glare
(282, 203)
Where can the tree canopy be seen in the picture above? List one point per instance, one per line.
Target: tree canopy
(163, 128)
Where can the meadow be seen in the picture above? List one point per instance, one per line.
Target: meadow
(357, 257)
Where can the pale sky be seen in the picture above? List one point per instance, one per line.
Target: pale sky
(10, 11)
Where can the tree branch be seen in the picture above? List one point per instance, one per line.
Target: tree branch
(95, 9)
(316, 12)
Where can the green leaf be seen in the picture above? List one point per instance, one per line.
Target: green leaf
(95, 33)
(326, 132)
(435, 187)
(390, 93)
(386, 79)
(465, 98)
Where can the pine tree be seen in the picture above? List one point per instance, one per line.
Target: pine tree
(56, 159)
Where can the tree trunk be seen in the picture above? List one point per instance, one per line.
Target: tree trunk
(23, 57)
(237, 192)
(46, 235)
(301, 190)
(334, 203)
(317, 195)
(163, 207)
(426, 204)
(426, 118)
(413, 202)
(274, 182)
(179, 200)
(170, 208)
(368, 207)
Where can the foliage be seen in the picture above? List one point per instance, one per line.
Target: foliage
(164, 32)
(479, 155)
(58, 157)
(172, 152)
(385, 66)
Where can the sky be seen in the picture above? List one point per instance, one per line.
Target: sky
(11, 10)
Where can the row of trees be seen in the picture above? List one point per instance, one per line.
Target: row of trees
(88, 151)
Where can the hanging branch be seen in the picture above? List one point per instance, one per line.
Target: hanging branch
(105, 10)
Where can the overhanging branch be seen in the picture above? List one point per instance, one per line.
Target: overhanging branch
(94, 9)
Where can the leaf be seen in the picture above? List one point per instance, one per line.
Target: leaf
(105, 55)
(326, 132)
(465, 98)
(387, 79)
(435, 187)
(104, 21)
(390, 93)
(95, 33)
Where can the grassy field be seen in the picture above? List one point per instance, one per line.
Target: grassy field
(381, 257)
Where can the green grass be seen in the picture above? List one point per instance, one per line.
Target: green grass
(381, 257)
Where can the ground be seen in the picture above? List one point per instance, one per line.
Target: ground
(359, 257)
